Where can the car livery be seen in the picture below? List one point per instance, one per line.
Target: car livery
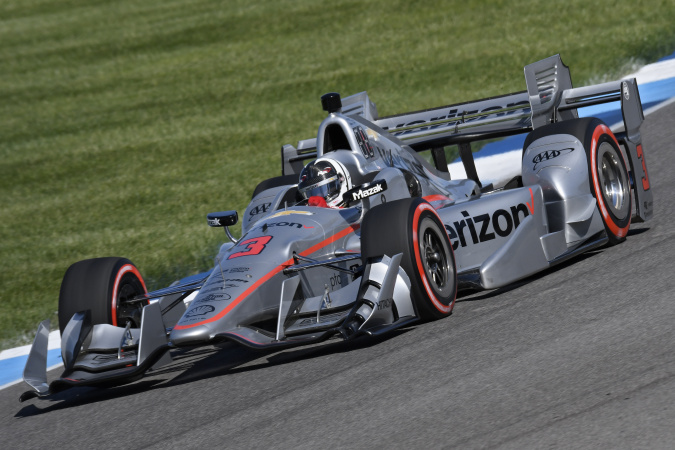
(407, 239)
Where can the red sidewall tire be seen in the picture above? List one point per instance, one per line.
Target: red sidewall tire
(101, 285)
(440, 302)
(412, 227)
(607, 170)
(603, 150)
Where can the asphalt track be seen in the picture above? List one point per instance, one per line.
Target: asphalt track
(582, 356)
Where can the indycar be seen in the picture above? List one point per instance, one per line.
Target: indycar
(404, 239)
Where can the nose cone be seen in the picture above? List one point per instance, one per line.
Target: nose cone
(189, 336)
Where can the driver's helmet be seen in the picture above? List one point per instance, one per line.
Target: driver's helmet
(325, 178)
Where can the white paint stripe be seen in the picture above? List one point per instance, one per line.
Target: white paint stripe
(654, 72)
(54, 342)
(12, 383)
(659, 106)
(492, 169)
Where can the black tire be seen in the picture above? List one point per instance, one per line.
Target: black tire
(607, 171)
(412, 227)
(284, 180)
(103, 286)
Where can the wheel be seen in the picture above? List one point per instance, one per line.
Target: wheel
(609, 182)
(607, 170)
(412, 227)
(104, 286)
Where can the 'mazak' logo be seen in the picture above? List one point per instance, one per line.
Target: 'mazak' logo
(365, 191)
(486, 227)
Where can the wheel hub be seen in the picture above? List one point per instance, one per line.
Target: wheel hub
(128, 311)
(434, 260)
(613, 183)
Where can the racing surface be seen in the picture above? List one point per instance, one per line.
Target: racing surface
(582, 355)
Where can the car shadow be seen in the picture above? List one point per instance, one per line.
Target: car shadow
(473, 295)
(232, 358)
(638, 231)
(200, 363)
(79, 396)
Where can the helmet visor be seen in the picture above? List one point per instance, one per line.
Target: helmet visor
(326, 189)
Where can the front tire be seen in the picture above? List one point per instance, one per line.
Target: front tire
(412, 227)
(104, 286)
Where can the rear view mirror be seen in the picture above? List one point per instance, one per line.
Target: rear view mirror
(222, 218)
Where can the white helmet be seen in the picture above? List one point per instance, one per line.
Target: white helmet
(325, 178)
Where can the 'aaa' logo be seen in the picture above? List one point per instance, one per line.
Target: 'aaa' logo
(549, 155)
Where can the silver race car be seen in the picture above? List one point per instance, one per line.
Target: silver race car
(362, 233)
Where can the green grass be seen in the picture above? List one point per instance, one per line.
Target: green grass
(122, 123)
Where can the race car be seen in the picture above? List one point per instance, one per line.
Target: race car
(365, 231)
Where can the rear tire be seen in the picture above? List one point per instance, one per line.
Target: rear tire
(609, 181)
(607, 170)
(104, 286)
(412, 227)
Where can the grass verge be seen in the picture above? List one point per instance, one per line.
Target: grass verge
(123, 123)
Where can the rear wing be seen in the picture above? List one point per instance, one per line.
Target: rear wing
(550, 97)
